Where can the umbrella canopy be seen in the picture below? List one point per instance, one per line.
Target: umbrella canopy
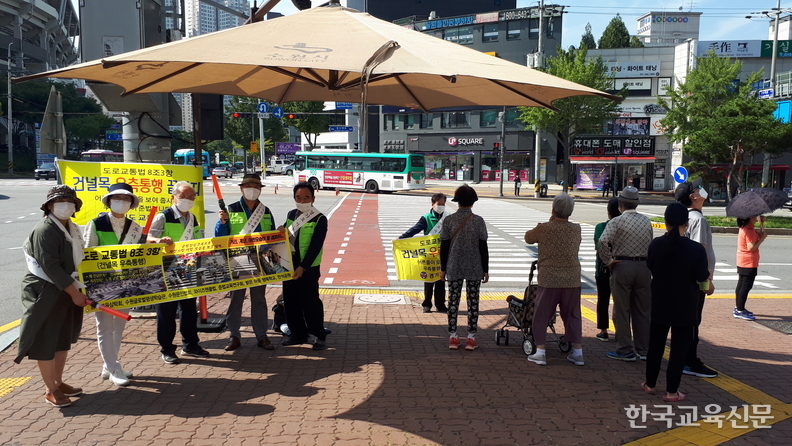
(325, 54)
(755, 202)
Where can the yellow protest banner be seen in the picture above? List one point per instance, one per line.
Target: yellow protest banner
(124, 276)
(417, 258)
(153, 183)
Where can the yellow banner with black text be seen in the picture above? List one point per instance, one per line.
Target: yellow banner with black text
(417, 258)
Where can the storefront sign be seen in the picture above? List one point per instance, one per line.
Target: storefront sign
(634, 69)
(487, 17)
(632, 84)
(784, 48)
(613, 146)
(730, 48)
(453, 142)
(528, 13)
(629, 126)
(656, 128)
(446, 23)
(286, 148)
(663, 84)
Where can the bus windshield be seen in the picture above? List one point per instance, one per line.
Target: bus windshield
(186, 157)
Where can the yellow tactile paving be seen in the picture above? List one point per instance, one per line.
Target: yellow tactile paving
(7, 385)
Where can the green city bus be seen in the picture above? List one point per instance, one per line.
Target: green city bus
(372, 172)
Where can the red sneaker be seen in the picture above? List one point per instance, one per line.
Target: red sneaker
(453, 342)
(471, 344)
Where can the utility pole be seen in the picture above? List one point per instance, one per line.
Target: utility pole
(261, 146)
(539, 63)
(502, 119)
(766, 164)
(9, 120)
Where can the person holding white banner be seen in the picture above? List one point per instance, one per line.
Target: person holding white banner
(113, 228)
(246, 216)
(430, 224)
(177, 223)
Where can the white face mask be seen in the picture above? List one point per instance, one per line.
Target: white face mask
(439, 209)
(251, 194)
(63, 210)
(703, 193)
(304, 207)
(119, 206)
(184, 205)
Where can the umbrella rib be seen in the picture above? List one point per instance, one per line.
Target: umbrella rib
(296, 76)
(417, 101)
(158, 80)
(513, 90)
(374, 78)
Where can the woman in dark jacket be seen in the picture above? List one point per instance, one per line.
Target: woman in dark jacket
(678, 265)
(50, 295)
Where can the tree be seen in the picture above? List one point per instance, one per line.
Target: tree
(615, 35)
(244, 130)
(577, 114)
(88, 131)
(635, 42)
(312, 124)
(722, 121)
(587, 40)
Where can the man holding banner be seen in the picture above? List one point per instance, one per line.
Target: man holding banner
(430, 224)
(246, 216)
(177, 223)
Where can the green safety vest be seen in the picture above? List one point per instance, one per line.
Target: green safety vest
(104, 231)
(237, 217)
(431, 221)
(305, 234)
(174, 228)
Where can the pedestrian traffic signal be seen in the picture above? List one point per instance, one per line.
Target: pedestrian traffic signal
(496, 148)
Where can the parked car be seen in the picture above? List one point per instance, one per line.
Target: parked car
(288, 170)
(46, 171)
(222, 171)
(788, 204)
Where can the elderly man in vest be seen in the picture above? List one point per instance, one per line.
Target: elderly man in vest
(177, 223)
(244, 217)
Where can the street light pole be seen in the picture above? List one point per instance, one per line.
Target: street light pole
(539, 63)
(10, 118)
(502, 119)
(766, 164)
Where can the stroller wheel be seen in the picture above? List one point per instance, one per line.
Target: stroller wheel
(506, 338)
(563, 345)
(528, 347)
(498, 336)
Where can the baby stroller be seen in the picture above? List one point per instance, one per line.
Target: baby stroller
(521, 312)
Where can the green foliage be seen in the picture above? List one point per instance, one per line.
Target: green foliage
(578, 114)
(615, 35)
(312, 125)
(635, 42)
(244, 130)
(88, 131)
(720, 120)
(587, 41)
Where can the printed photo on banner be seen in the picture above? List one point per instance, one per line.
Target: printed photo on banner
(124, 276)
(153, 183)
(417, 258)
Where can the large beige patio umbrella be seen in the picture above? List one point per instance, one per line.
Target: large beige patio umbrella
(325, 54)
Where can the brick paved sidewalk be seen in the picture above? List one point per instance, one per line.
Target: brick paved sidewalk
(387, 378)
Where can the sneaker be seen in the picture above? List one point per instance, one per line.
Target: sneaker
(453, 342)
(471, 344)
(319, 345)
(106, 373)
(602, 337)
(196, 351)
(539, 359)
(622, 357)
(117, 377)
(749, 312)
(743, 315)
(642, 357)
(701, 371)
(427, 309)
(575, 359)
(170, 358)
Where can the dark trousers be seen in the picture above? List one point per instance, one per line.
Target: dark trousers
(304, 310)
(166, 324)
(744, 285)
(438, 289)
(681, 338)
(606, 191)
(692, 360)
(603, 301)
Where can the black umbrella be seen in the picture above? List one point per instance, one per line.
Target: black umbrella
(755, 202)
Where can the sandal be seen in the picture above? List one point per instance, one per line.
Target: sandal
(647, 389)
(680, 397)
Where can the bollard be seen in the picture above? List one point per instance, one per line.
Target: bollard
(337, 191)
(276, 189)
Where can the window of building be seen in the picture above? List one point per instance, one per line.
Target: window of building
(490, 32)
(451, 34)
(337, 119)
(465, 35)
(387, 122)
(427, 120)
(452, 120)
(513, 30)
(533, 29)
(488, 118)
(511, 117)
(550, 27)
(398, 122)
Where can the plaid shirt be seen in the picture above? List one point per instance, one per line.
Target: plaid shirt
(628, 235)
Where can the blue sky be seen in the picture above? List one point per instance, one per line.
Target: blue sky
(721, 19)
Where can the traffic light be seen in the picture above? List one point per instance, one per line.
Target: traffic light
(496, 148)
(293, 116)
(241, 115)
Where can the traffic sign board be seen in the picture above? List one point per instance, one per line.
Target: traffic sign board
(767, 93)
(680, 174)
(114, 136)
(277, 112)
(343, 106)
(264, 115)
(341, 128)
(263, 107)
